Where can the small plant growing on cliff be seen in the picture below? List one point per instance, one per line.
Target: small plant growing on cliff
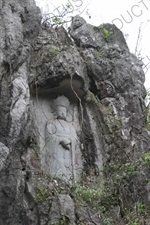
(135, 222)
(62, 221)
(146, 159)
(57, 20)
(141, 209)
(109, 109)
(98, 54)
(53, 52)
(108, 221)
(97, 198)
(89, 195)
(41, 194)
(107, 35)
(96, 28)
(148, 119)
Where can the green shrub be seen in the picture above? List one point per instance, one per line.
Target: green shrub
(87, 194)
(141, 209)
(57, 20)
(41, 194)
(148, 119)
(53, 52)
(107, 35)
(98, 54)
(146, 159)
(135, 223)
(97, 198)
(108, 221)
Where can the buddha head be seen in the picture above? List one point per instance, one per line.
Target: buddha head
(77, 22)
(61, 104)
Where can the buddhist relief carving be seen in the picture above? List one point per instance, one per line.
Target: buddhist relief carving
(62, 151)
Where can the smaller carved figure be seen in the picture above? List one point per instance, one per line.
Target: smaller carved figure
(77, 22)
(105, 89)
(83, 33)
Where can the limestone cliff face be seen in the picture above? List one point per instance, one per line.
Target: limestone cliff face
(74, 148)
(19, 26)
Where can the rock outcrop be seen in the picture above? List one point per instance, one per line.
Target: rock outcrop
(74, 148)
(19, 25)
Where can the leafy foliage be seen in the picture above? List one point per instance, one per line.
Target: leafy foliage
(53, 52)
(114, 193)
(57, 21)
(108, 221)
(107, 34)
(63, 221)
(146, 159)
(85, 193)
(41, 194)
(141, 209)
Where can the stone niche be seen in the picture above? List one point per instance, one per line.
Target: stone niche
(56, 115)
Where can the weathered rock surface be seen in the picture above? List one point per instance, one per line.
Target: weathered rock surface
(19, 25)
(86, 35)
(101, 134)
(62, 208)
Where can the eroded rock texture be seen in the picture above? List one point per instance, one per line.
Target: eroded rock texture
(19, 25)
(72, 121)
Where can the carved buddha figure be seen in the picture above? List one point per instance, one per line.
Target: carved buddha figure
(77, 22)
(61, 141)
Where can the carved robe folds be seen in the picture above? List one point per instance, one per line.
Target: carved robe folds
(61, 145)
